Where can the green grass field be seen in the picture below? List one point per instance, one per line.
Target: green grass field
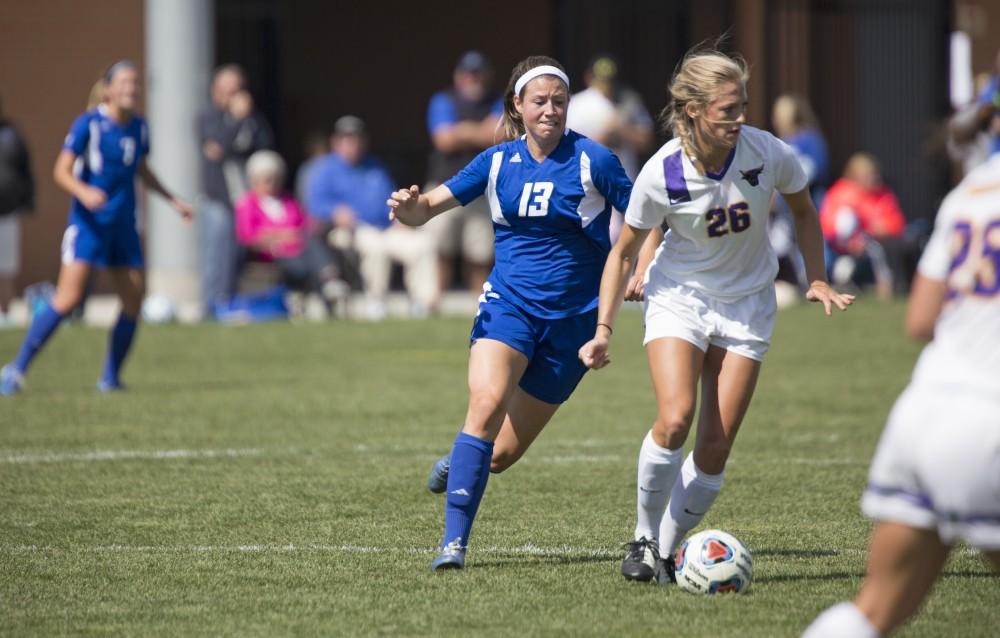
(269, 480)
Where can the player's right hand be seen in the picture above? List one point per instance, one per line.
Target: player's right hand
(594, 353)
(92, 198)
(404, 205)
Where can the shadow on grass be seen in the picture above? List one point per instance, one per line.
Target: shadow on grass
(526, 561)
(791, 578)
(796, 553)
(966, 574)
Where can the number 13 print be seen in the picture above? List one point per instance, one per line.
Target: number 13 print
(535, 199)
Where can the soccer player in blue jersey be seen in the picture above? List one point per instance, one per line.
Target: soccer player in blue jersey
(709, 292)
(105, 149)
(550, 192)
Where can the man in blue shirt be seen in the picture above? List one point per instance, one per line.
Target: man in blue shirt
(461, 122)
(347, 190)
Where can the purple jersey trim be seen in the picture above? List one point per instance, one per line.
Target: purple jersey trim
(725, 167)
(673, 175)
(920, 499)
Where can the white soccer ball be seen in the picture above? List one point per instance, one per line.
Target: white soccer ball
(158, 309)
(713, 562)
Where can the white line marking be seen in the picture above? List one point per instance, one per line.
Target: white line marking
(575, 458)
(520, 550)
(125, 455)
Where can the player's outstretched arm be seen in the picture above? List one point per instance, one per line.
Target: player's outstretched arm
(153, 183)
(810, 238)
(91, 197)
(621, 259)
(412, 208)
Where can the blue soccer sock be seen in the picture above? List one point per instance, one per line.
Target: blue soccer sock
(41, 329)
(119, 343)
(467, 477)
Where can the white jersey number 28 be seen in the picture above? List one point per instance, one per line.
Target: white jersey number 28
(535, 199)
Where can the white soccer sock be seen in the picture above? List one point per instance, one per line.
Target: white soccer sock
(658, 468)
(841, 620)
(693, 493)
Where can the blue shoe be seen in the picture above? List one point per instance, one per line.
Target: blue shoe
(437, 482)
(11, 381)
(106, 386)
(452, 556)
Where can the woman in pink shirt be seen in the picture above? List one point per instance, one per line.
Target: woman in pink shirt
(271, 226)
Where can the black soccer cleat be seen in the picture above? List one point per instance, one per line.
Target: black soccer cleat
(641, 559)
(665, 571)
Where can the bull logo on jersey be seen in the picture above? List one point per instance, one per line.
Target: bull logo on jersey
(752, 176)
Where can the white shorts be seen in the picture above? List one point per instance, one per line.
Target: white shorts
(937, 465)
(468, 229)
(10, 244)
(742, 327)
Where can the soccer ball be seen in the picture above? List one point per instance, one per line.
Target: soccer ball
(158, 309)
(713, 562)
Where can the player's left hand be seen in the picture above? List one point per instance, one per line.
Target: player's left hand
(822, 292)
(635, 288)
(594, 353)
(184, 209)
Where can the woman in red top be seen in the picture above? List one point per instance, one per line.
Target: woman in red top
(863, 225)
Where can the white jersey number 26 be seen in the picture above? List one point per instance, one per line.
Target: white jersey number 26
(535, 199)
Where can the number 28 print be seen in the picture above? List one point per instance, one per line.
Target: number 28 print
(975, 261)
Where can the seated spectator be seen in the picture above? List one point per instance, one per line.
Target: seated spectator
(348, 189)
(270, 226)
(795, 123)
(864, 228)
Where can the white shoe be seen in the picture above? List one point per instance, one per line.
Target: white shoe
(375, 310)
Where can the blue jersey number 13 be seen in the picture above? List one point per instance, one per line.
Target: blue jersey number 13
(535, 199)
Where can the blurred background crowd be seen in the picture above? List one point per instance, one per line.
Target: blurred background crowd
(289, 123)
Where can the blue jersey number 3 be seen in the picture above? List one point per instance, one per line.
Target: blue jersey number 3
(535, 199)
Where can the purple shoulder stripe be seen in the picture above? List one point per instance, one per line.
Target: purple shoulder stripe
(673, 175)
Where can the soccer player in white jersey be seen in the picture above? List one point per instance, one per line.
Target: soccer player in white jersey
(935, 478)
(709, 291)
(550, 191)
(111, 142)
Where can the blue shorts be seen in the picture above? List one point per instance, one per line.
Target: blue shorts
(551, 345)
(115, 246)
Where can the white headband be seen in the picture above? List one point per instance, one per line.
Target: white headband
(535, 72)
